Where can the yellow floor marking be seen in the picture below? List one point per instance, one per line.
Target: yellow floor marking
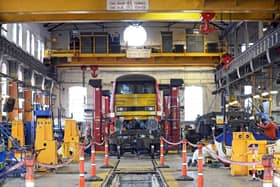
(102, 175)
(169, 178)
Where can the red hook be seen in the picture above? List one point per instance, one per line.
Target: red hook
(206, 18)
(94, 69)
(225, 60)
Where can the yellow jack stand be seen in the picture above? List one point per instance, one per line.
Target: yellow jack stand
(17, 132)
(45, 143)
(70, 145)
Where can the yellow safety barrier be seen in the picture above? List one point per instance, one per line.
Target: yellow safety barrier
(45, 143)
(70, 146)
(240, 148)
(17, 132)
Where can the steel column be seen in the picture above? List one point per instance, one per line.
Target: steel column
(166, 123)
(97, 128)
(13, 92)
(175, 114)
(106, 114)
(97, 114)
(27, 115)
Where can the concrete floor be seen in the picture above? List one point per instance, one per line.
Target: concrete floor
(69, 176)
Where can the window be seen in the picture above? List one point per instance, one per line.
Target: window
(14, 33)
(33, 79)
(248, 101)
(77, 102)
(135, 87)
(20, 35)
(20, 73)
(4, 86)
(4, 30)
(20, 89)
(32, 44)
(28, 41)
(193, 102)
(39, 49)
(42, 51)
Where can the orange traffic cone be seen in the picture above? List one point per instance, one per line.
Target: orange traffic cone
(268, 170)
(29, 176)
(93, 176)
(106, 156)
(200, 178)
(82, 166)
(161, 160)
(184, 176)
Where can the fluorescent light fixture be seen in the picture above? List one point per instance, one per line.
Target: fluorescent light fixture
(273, 92)
(265, 94)
(233, 103)
(256, 96)
(196, 31)
(135, 35)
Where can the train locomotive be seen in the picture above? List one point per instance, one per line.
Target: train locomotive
(136, 115)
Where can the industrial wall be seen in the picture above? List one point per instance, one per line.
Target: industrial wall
(31, 37)
(203, 77)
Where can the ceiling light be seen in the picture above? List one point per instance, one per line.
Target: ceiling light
(265, 94)
(256, 96)
(273, 92)
(233, 103)
(135, 35)
(264, 29)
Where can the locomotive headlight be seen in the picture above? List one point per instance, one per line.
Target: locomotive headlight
(150, 108)
(120, 109)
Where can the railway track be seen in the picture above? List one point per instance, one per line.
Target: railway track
(134, 172)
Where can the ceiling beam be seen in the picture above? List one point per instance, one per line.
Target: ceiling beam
(173, 10)
(125, 16)
(35, 6)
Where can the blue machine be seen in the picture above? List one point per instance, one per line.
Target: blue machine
(43, 113)
(2, 162)
(7, 157)
(29, 132)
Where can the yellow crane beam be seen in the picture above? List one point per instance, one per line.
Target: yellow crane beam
(156, 60)
(157, 16)
(167, 10)
(31, 6)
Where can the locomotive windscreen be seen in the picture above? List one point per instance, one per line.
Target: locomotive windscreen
(135, 84)
(135, 87)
